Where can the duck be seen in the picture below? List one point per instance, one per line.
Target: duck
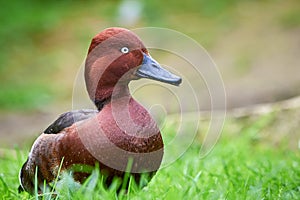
(120, 136)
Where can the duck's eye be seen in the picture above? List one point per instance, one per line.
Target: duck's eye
(124, 49)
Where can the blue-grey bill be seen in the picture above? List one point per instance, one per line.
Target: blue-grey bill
(152, 70)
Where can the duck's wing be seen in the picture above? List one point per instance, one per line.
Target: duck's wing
(67, 119)
(63, 121)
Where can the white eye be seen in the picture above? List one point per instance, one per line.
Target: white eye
(124, 50)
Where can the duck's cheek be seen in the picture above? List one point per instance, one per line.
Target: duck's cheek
(137, 57)
(126, 62)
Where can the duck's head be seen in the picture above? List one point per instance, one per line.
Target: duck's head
(115, 57)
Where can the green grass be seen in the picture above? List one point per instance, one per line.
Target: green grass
(242, 165)
(42, 44)
(290, 19)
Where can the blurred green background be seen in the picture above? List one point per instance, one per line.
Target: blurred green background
(255, 44)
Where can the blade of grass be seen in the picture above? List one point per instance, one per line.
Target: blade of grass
(36, 184)
(3, 183)
(56, 179)
(129, 187)
(127, 173)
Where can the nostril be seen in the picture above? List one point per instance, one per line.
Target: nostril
(154, 65)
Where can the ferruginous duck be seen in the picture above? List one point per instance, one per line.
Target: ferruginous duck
(120, 136)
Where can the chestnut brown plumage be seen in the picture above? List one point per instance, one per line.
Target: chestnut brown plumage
(118, 131)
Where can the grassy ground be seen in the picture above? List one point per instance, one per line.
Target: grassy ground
(242, 165)
(256, 158)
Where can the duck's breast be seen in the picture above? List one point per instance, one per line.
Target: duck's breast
(123, 130)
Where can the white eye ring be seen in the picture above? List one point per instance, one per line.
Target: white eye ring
(124, 50)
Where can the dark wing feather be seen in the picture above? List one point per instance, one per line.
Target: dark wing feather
(67, 119)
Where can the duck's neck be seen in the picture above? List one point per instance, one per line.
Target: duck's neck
(101, 103)
(107, 94)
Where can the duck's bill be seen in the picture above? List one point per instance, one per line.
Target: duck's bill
(152, 70)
